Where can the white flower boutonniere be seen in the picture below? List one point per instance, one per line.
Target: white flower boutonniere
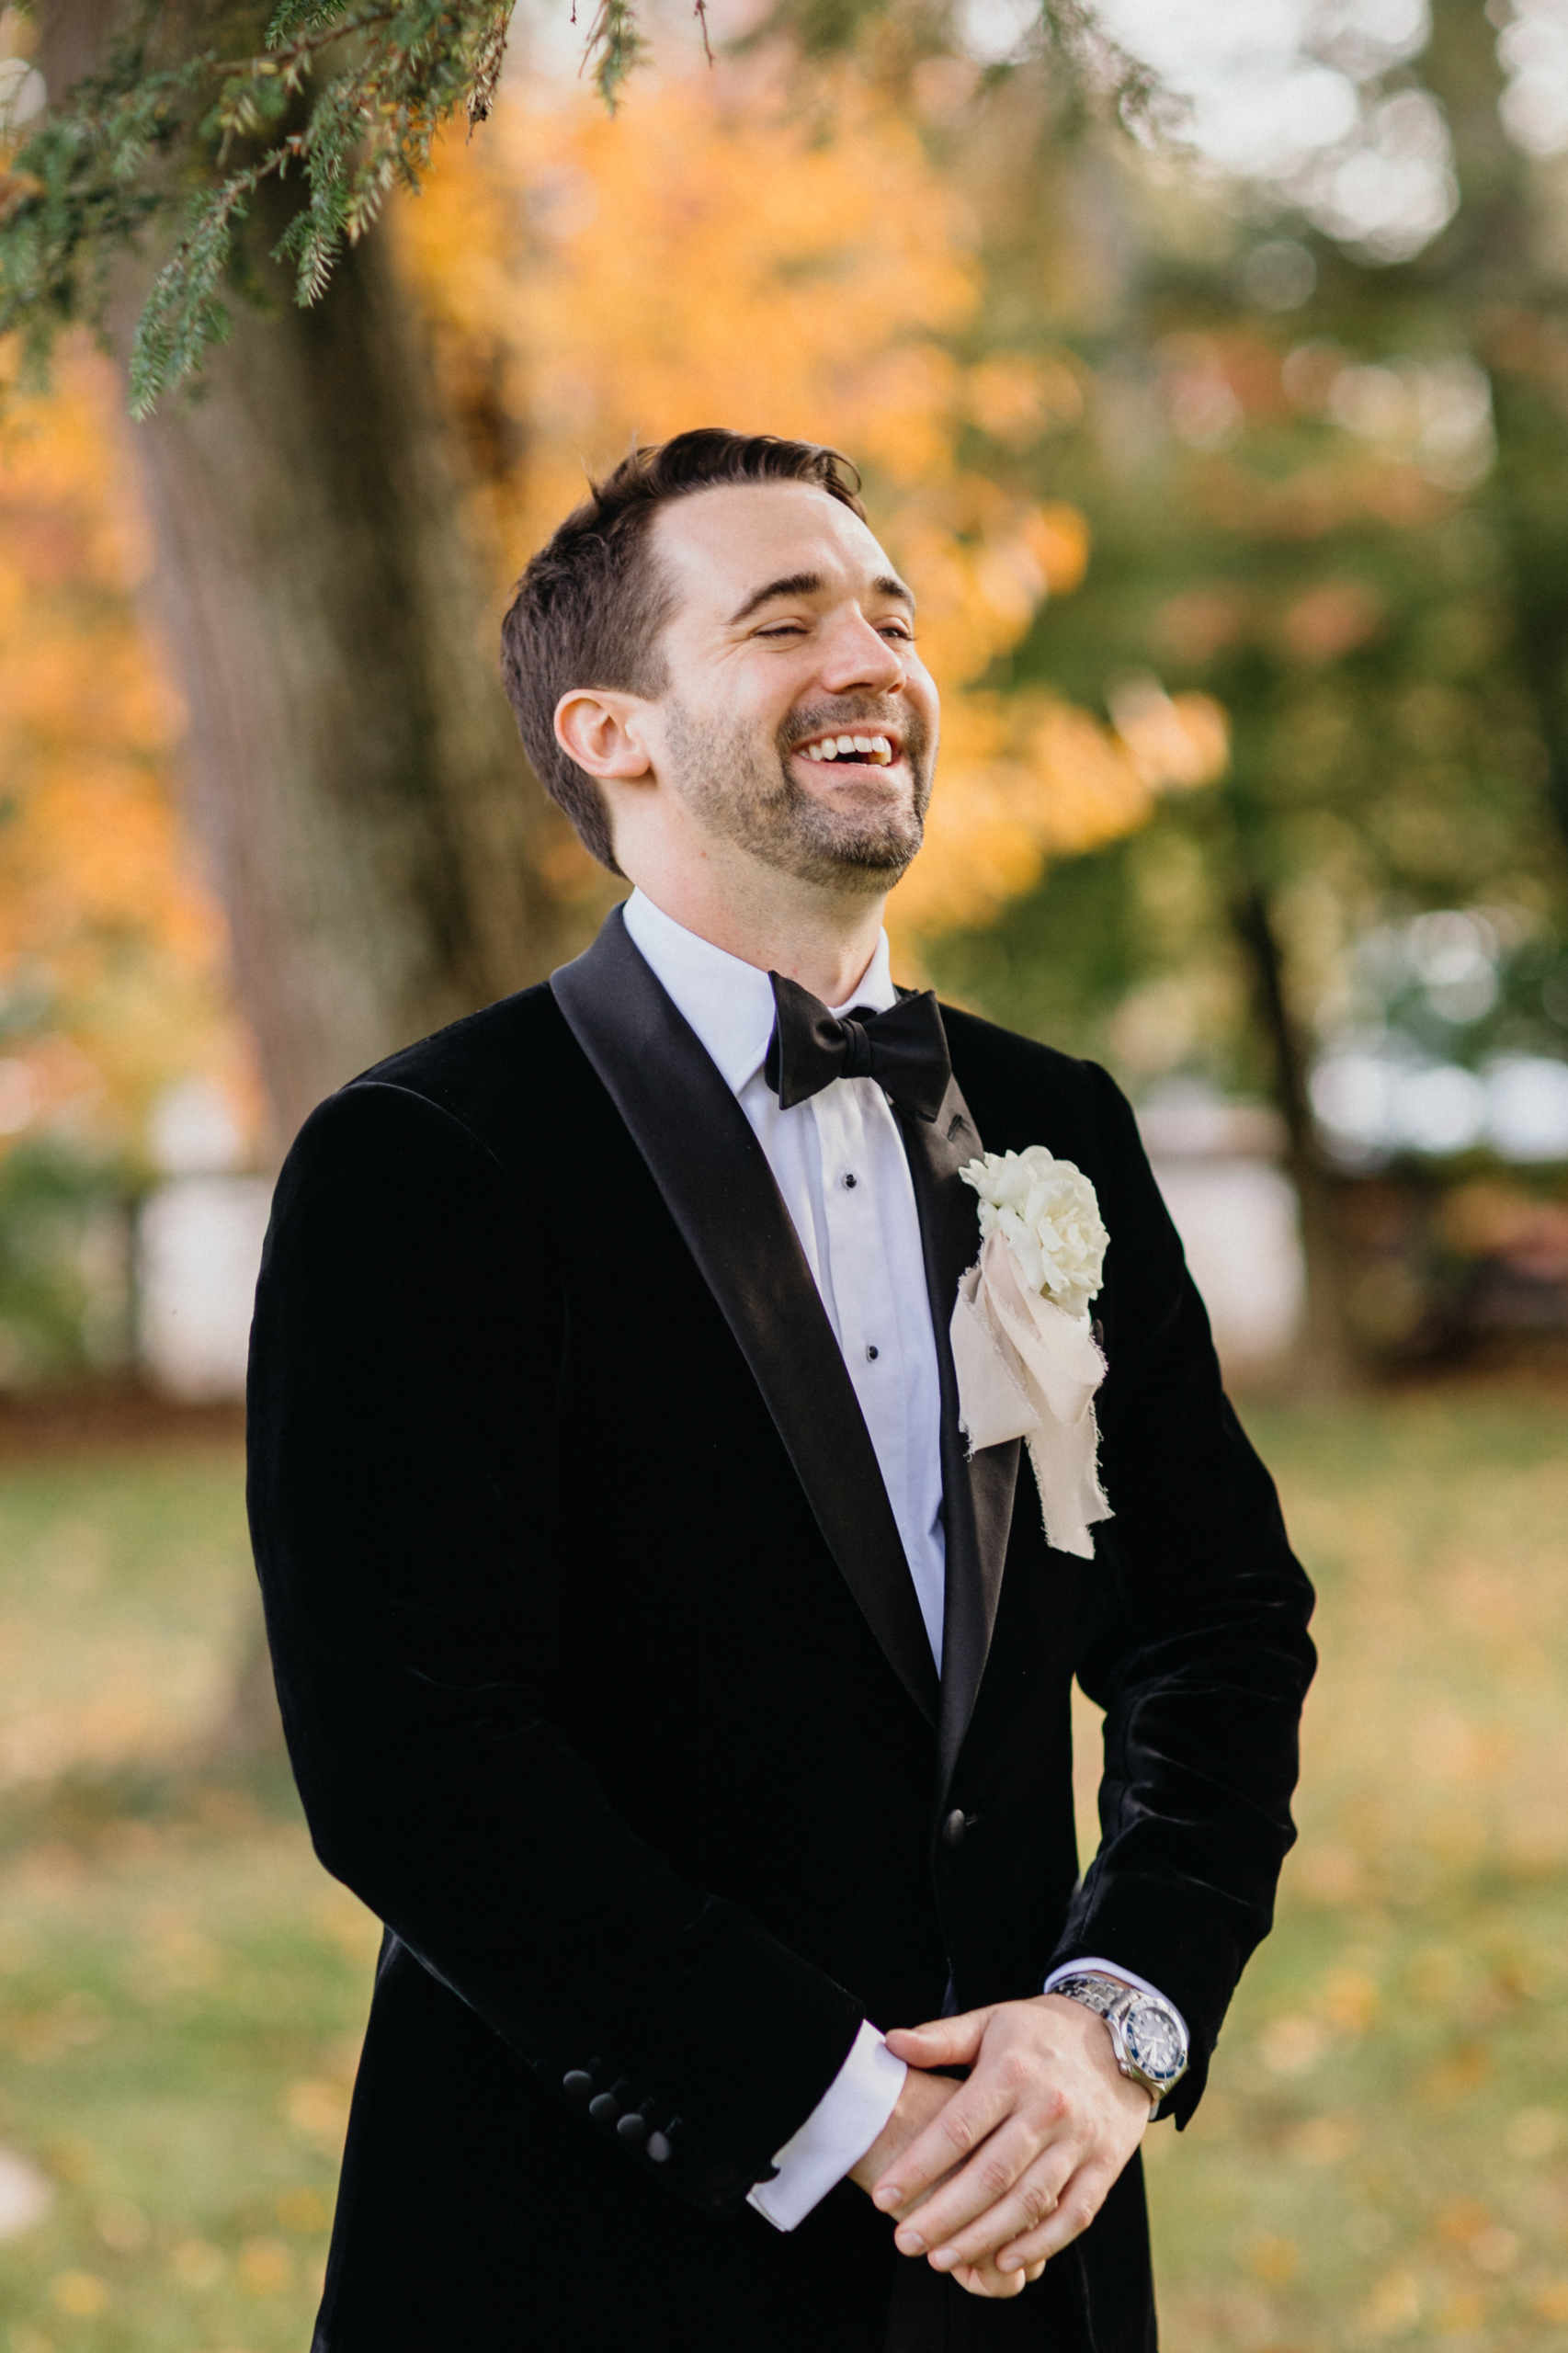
(1027, 1360)
(1046, 1211)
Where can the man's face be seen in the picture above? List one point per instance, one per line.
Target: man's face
(792, 637)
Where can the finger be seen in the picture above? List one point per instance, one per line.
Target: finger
(1024, 2207)
(992, 2094)
(941, 2042)
(984, 2118)
(1079, 2201)
(984, 2280)
(975, 2191)
(980, 2280)
(951, 2140)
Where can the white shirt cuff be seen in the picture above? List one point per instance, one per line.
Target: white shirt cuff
(836, 2134)
(1104, 1969)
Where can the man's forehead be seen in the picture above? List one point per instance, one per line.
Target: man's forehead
(725, 542)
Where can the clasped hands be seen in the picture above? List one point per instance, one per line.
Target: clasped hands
(989, 2176)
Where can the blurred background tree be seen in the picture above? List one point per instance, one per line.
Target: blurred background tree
(1307, 503)
(353, 766)
(1228, 455)
(382, 854)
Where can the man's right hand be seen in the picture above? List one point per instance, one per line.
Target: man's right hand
(920, 2102)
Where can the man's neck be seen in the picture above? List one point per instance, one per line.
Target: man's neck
(825, 942)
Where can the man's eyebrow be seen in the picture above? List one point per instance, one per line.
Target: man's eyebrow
(796, 583)
(809, 584)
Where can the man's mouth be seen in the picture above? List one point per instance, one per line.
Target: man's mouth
(876, 751)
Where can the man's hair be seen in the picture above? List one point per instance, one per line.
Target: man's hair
(592, 605)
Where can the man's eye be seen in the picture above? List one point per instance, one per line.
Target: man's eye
(783, 628)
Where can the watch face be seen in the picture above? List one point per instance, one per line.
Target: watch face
(1154, 2044)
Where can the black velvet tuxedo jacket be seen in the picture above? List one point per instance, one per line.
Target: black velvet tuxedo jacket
(606, 1689)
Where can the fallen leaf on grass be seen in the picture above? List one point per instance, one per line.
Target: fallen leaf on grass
(1273, 2260)
(304, 2210)
(80, 2293)
(1496, 2248)
(266, 2266)
(316, 2109)
(1324, 2140)
(1394, 2304)
(1292, 2046)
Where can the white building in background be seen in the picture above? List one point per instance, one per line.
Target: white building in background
(198, 1237)
(1375, 1102)
(1218, 1166)
(200, 1233)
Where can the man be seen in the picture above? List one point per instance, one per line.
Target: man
(657, 1662)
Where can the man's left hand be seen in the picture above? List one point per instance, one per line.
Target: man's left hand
(1038, 2135)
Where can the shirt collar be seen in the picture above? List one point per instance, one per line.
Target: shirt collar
(729, 1003)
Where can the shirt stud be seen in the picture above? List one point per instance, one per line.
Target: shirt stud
(870, 1356)
(850, 1181)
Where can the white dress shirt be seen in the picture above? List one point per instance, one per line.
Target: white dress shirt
(838, 1160)
(839, 1163)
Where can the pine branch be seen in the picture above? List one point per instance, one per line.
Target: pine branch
(615, 49)
(184, 145)
(183, 314)
(349, 99)
(487, 67)
(1095, 66)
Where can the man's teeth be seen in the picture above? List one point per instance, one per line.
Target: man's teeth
(876, 748)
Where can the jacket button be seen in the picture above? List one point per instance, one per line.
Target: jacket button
(578, 2085)
(604, 2109)
(633, 2130)
(953, 1830)
(658, 2148)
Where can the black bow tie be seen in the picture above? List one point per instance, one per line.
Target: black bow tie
(905, 1049)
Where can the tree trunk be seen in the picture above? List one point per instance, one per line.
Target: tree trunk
(1324, 1357)
(353, 769)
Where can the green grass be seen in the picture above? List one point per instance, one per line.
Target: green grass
(181, 1986)
(1383, 2157)
(1384, 2154)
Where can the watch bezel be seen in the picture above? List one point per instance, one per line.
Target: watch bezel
(1157, 2079)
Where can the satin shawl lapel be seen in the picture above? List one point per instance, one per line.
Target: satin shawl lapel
(718, 1186)
(977, 1495)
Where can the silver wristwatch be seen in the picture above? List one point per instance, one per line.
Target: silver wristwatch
(1147, 2035)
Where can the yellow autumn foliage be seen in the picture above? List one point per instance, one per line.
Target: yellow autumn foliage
(717, 255)
(712, 255)
(110, 950)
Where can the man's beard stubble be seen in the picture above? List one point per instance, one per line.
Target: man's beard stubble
(756, 804)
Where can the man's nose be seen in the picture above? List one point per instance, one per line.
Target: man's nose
(859, 656)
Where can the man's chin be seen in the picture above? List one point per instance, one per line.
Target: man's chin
(865, 847)
(860, 860)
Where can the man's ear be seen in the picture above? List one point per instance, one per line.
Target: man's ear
(605, 732)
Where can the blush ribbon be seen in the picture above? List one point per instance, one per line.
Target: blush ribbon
(1027, 1368)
